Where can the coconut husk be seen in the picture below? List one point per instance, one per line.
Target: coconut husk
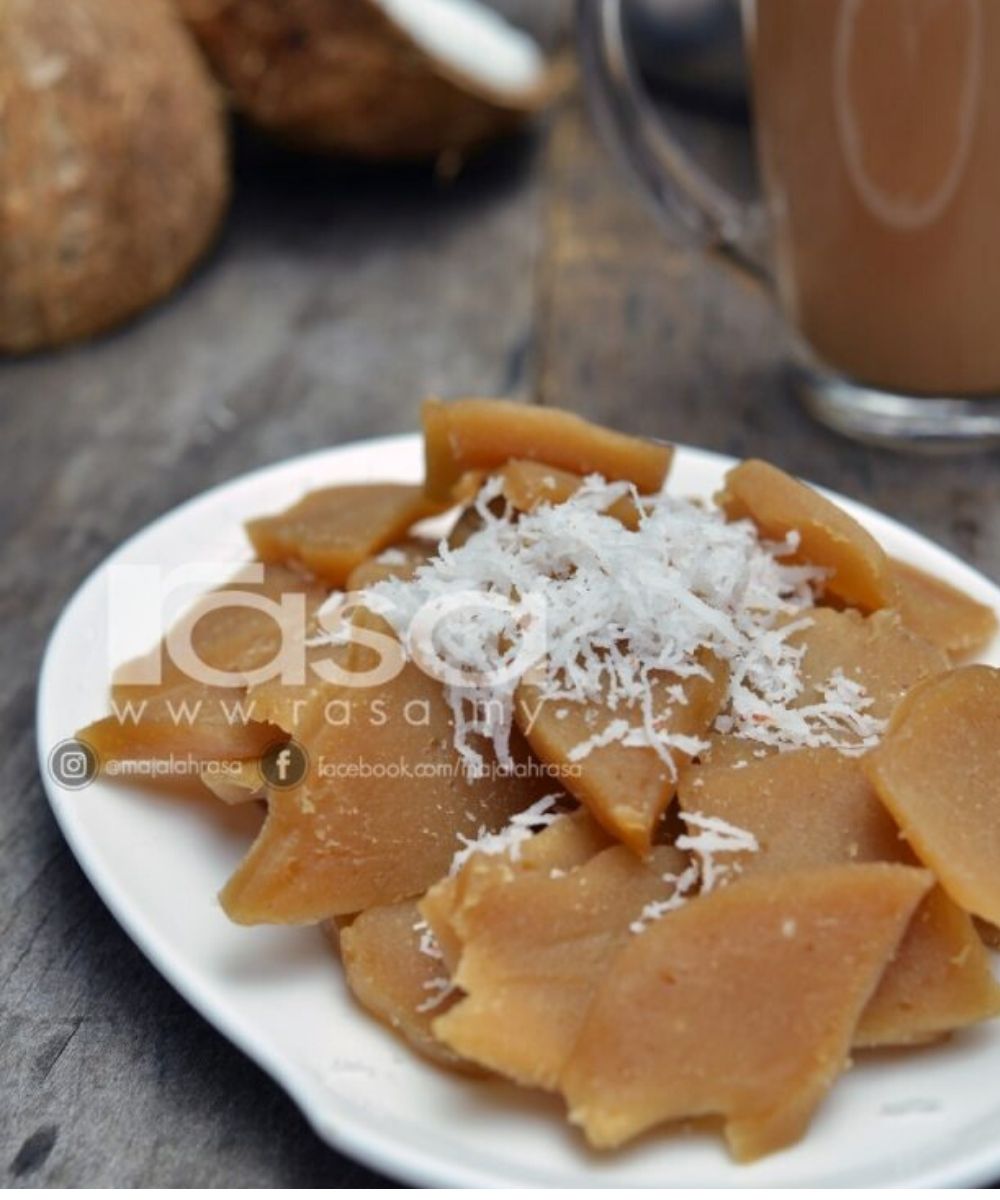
(113, 175)
(342, 77)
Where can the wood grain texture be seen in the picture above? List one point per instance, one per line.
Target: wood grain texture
(336, 298)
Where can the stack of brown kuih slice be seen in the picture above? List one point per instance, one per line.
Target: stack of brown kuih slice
(738, 820)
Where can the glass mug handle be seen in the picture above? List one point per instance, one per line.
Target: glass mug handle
(696, 210)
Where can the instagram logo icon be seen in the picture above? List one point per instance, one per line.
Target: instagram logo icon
(73, 764)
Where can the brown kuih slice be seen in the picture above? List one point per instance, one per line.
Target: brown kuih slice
(395, 562)
(398, 980)
(570, 841)
(806, 808)
(815, 808)
(186, 721)
(748, 1000)
(729, 750)
(292, 707)
(939, 981)
(468, 487)
(394, 978)
(334, 530)
(527, 485)
(464, 435)
(185, 717)
(626, 788)
(989, 933)
(363, 828)
(240, 637)
(941, 614)
(778, 505)
(938, 773)
(236, 786)
(876, 651)
(534, 950)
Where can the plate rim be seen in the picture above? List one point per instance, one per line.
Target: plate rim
(359, 1136)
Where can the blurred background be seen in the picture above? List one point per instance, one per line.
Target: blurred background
(335, 288)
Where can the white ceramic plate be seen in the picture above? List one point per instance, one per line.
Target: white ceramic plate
(925, 1118)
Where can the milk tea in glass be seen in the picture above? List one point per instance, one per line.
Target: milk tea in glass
(877, 126)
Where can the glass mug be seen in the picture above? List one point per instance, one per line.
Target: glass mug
(877, 125)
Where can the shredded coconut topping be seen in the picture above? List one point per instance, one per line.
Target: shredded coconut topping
(683, 885)
(595, 611)
(713, 836)
(428, 942)
(512, 837)
(614, 731)
(440, 988)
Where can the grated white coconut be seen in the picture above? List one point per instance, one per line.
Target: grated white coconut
(511, 838)
(440, 988)
(392, 558)
(714, 836)
(428, 944)
(616, 606)
(682, 887)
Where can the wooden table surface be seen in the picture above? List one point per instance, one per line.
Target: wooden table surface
(336, 298)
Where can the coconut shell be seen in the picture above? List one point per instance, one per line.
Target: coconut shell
(113, 175)
(339, 76)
